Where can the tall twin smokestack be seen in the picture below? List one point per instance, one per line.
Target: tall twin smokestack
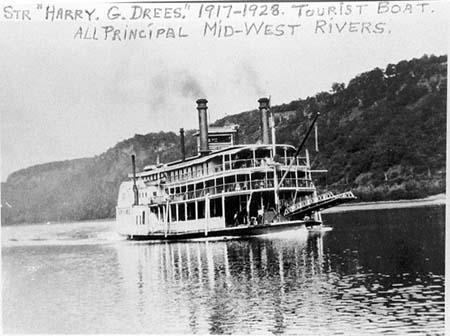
(203, 125)
(264, 108)
(202, 108)
(183, 148)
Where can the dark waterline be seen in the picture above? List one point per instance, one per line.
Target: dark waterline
(377, 271)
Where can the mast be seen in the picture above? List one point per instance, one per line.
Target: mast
(299, 148)
(316, 138)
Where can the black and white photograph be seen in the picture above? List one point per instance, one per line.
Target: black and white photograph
(223, 167)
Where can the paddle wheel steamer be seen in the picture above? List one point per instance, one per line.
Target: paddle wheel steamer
(227, 189)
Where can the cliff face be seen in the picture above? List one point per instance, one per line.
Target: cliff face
(83, 188)
(383, 136)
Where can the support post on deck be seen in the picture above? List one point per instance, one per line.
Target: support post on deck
(207, 214)
(165, 213)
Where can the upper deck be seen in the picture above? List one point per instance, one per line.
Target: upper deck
(225, 170)
(243, 158)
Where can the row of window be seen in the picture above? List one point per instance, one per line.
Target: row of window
(145, 194)
(220, 163)
(241, 182)
(179, 174)
(180, 212)
(188, 211)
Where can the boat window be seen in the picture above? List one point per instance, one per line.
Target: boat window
(230, 179)
(219, 184)
(215, 207)
(191, 210)
(242, 183)
(280, 151)
(216, 164)
(201, 209)
(217, 160)
(261, 153)
(143, 217)
(181, 212)
(227, 162)
(173, 212)
(209, 186)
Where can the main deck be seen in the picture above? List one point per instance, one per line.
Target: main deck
(240, 230)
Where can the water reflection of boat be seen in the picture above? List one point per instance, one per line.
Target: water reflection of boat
(228, 189)
(219, 285)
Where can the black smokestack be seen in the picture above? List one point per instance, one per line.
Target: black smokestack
(183, 149)
(263, 107)
(135, 189)
(203, 125)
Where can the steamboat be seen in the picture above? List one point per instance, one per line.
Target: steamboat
(228, 189)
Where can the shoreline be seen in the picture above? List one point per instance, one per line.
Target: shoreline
(62, 222)
(439, 199)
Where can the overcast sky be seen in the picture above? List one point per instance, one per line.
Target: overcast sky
(63, 98)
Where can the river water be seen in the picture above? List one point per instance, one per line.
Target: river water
(375, 271)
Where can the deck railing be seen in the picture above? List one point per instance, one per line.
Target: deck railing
(317, 199)
(237, 164)
(240, 186)
(310, 200)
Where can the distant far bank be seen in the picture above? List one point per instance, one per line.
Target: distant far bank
(67, 222)
(439, 199)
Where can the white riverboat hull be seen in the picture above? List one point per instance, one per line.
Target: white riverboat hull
(235, 231)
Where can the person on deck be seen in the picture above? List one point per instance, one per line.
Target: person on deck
(236, 218)
(260, 216)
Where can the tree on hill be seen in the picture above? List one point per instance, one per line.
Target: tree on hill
(383, 135)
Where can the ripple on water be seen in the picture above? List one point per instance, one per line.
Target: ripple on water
(328, 285)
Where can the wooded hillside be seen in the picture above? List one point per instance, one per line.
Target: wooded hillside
(382, 135)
